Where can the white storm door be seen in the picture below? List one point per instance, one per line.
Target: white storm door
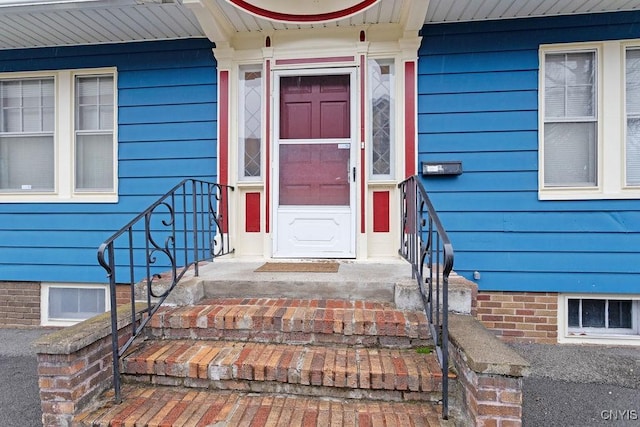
(314, 185)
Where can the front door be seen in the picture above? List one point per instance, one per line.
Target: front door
(315, 166)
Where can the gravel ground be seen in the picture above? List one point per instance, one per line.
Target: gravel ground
(574, 385)
(19, 399)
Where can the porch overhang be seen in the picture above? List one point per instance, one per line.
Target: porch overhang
(225, 21)
(48, 23)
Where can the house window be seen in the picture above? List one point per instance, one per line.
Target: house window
(94, 133)
(27, 135)
(585, 317)
(381, 107)
(632, 94)
(570, 123)
(66, 304)
(57, 138)
(250, 123)
(588, 135)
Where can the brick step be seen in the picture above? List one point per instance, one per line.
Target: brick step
(294, 321)
(336, 371)
(178, 407)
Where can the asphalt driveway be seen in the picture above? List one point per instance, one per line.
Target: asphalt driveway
(19, 399)
(575, 385)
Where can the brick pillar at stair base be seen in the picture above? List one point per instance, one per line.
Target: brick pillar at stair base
(490, 375)
(492, 400)
(19, 304)
(529, 317)
(75, 366)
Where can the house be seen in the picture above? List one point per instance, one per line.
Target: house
(520, 116)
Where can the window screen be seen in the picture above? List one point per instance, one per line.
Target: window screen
(570, 120)
(94, 133)
(26, 135)
(632, 152)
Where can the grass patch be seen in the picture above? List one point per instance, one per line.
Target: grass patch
(424, 350)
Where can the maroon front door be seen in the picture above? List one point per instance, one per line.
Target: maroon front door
(315, 167)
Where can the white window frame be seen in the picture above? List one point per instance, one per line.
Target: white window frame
(45, 320)
(591, 335)
(64, 142)
(610, 127)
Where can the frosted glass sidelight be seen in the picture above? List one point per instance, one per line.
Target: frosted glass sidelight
(382, 118)
(250, 123)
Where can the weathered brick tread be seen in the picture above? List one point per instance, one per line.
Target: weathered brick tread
(224, 364)
(162, 406)
(294, 321)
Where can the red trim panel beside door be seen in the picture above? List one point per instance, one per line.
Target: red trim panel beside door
(381, 211)
(410, 118)
(252, 213)
(223, 140)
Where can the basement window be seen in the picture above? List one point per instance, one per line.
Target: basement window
(64, 305)
(587, 317)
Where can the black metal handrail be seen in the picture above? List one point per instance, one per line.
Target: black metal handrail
(187, 225)
(424, 243)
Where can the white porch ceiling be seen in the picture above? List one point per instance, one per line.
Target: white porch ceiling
(479, 10)
(35, 23)
(89, 22)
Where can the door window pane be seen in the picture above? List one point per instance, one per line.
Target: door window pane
(314, 174)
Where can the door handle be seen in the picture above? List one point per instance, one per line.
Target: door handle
(354, 174)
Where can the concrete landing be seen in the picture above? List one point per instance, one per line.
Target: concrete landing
(366, 280)
(237, 278)
(381, 280)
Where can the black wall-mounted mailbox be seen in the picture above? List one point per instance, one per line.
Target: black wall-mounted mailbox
(441, 168)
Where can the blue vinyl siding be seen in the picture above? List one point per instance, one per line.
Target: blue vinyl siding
(167, 110)
(478, 103)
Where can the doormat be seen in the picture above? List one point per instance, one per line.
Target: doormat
(299, 267)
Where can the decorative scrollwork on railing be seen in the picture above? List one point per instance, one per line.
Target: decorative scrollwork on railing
(218, 219)
(159, 288)
(196, 213)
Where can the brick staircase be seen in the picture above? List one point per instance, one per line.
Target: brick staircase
(278, 362)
